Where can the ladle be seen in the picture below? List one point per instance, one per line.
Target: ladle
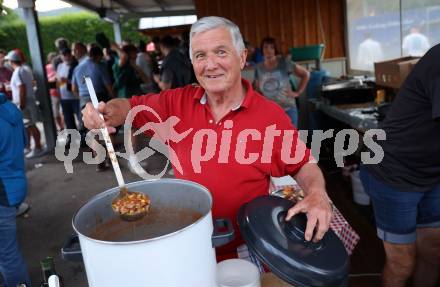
(123, 191)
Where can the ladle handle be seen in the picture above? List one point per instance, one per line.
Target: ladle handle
(108, 142)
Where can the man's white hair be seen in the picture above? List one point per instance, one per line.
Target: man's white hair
(212, 22)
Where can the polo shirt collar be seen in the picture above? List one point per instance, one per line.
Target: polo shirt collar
(202, 97)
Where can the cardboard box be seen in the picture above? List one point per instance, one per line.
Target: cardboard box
(392, 73)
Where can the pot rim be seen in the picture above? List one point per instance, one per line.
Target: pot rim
(104, 193)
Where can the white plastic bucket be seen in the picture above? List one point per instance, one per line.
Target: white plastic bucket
(237, 273)
(359, 194)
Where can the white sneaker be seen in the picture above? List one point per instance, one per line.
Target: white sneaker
(35, 153)
(22, 209)
(26, 150)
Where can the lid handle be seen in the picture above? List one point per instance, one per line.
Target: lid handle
(295, 229)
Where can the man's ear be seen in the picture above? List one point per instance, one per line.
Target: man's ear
(243, 57)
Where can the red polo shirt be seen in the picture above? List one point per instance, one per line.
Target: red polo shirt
(234, 171)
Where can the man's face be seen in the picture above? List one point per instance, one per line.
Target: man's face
(216, 63)
(66, 58)
(78, 51)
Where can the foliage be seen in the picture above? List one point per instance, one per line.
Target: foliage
(81, 26)
(7, 16)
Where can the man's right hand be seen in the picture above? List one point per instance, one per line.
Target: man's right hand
(91, 118)
(114, 112)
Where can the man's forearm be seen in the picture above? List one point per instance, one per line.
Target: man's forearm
(310, 178)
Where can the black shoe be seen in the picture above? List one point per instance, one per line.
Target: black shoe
(101, 167)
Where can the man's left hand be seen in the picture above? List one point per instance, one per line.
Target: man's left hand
(319, 212)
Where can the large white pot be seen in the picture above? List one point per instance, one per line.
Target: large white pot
(182, 257)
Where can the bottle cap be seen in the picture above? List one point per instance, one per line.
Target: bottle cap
(47, 263)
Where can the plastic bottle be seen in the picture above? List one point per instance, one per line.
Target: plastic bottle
(47, 269)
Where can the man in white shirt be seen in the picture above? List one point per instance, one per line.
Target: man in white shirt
(23, 96)
(415, 43)
(369, 52)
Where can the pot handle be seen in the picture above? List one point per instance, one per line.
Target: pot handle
(71, 250)
(223, 232)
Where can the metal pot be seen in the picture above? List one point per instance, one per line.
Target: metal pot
(172, 246)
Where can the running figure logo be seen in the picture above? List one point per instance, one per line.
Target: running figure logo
(164, 134)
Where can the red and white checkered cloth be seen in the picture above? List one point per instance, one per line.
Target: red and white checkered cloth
(339, 225)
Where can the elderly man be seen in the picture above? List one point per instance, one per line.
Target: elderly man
(226, 111)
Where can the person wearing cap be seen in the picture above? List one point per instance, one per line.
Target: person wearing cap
(23, 97)
(13, 188)
(226, 106)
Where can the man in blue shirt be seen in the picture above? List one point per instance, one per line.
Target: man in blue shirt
(97, 71)
(94, 68)
(13, 188)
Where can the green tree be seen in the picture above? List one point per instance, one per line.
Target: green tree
(81, 26)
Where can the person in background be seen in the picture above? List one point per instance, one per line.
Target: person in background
(248, 71)
(415, 43)
(13, 189)
(128, 80)
(128, 76)
(60, 43)
(143, 61)
(225, 101)
(5, 76)
(184, 44)
(23, 96)
(175, 70)
(69, 101)
(404, 187)
(250, 54)
(369, 52)
(93, 67)
(79, 51)
(272, 79)
(97, 71)
(53, 91)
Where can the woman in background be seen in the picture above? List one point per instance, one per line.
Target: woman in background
(272, 78)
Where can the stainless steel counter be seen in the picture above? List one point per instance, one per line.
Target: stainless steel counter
(358, 116)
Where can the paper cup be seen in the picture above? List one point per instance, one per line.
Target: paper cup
(237, 273)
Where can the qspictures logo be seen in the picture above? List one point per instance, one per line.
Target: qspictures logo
(209, 144)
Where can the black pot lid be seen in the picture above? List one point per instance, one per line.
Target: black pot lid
(281, 246)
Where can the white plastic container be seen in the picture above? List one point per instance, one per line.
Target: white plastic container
(359, 194)
(237, 273)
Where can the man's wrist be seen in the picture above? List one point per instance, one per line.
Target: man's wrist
(319, 192)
